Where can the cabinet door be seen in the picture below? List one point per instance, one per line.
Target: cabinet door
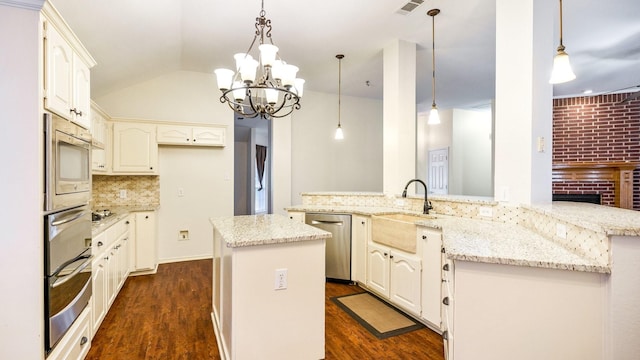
(98, 161)
(208, 136)
(378, 269)
(361, 230)
(134, 148)
(58, 62)
(112, 275)
(131, 223)
(296, 216)
(404, 283)
(99, 297)
(431, 275)
(146, 257)
(81, 87)
(98, 129)
(174, 134)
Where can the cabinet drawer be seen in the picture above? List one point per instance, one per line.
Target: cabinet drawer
(76, 343)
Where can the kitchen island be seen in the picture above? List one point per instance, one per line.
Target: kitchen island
(268, 288)
(559, 281)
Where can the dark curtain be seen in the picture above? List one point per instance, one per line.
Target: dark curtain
(261, 156)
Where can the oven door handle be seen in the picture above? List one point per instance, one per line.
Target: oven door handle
(67, 219)
(59, 282)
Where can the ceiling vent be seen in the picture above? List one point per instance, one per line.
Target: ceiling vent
(409, 7)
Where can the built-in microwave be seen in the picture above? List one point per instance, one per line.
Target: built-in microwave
(67, 164)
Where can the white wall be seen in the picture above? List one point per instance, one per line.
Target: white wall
(471, 154)
(21, 258)
(205, 174)
(321, 163)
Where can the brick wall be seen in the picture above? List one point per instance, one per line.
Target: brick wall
(596, 129)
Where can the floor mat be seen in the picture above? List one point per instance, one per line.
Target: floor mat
(375, 315)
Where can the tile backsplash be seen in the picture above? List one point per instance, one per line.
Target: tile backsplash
(140, 190)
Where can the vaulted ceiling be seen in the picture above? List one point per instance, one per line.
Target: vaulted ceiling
(136, 40)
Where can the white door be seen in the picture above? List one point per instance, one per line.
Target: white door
(438, 171)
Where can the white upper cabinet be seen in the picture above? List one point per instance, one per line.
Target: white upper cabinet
(67, 80)
(191, 135)
(135, 150)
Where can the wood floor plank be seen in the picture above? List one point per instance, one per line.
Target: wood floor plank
(168, 316)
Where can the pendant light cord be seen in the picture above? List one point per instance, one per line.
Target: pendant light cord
(433, 13)
(561, 47)
(339, 56)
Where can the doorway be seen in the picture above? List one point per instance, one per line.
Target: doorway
(252, 166)
(438, 171)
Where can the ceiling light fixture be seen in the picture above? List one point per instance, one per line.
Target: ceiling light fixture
(275, 93)
(339, 134)
(434, 117)
(562, 71)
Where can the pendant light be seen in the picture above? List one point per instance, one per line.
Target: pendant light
(339, 134)
(562, 71)
(434, 117)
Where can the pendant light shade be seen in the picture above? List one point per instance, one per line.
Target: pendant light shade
(434, 117)
(339, 134)
(562, 71)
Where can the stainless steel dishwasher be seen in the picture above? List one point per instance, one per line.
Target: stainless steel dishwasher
(338, 248)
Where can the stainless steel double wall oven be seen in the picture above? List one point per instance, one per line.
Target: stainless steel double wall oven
(67, 226)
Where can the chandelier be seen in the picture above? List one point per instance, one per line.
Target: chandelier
(561, 71)
(266, 86)
(434, 116)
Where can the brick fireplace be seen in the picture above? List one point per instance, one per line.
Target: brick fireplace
(596, 148)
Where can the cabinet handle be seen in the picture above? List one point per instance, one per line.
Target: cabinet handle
(442, 250)
(100, 243)
(385, 254)
(424, 237)
(391, 257)
(83, 340)
(445, 300)
(445, 267)
(106, 258)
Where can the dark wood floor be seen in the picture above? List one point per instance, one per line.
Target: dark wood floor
(168, 316)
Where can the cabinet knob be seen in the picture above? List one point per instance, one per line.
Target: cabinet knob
(445, 300)
(194, 140)
(442, 250)
(385, 254)
(445, 267)
(100, 243)
(424, 237)
(127, 222)
(106, 258)
(363, 223)
(146, 216)
(150, 167)
(83, 340)
(391, 257)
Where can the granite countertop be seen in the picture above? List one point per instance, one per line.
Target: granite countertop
(118, 213)
(252, 230)
(487, 241)
(509, 244)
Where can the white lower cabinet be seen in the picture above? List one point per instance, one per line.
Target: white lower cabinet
(395, 275)
(145, 241)
(431, 275)
(76, 343)
(360, 236)
(110, 268)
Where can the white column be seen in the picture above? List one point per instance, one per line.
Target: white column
(21, 220)
(399, 115)
(523, 111)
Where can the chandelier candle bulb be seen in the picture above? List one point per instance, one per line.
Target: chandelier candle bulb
(248, 70)
(271, 95)
(289, 73)
(225, 78)
(268, 54)
(299, 86)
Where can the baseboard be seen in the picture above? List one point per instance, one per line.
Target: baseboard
(186, 258)
(144, 272)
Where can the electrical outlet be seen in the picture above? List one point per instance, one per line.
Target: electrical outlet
(485, 211)
(281, 279)
(180, 191)
(183, 235)
(123, 194)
